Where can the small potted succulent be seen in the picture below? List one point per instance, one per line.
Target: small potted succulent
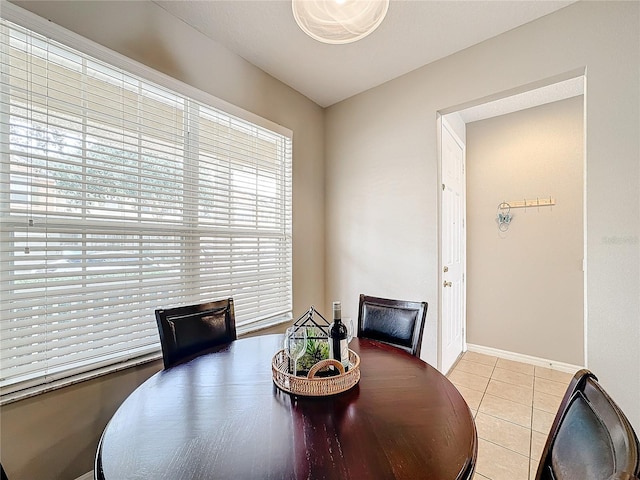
(317, 350)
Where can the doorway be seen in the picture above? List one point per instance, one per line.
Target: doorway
(508, 296)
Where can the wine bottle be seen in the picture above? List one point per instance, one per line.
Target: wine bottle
(338, 343)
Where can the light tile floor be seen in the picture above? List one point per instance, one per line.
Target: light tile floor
(514, 405)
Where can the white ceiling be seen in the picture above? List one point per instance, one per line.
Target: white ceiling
(414, 33)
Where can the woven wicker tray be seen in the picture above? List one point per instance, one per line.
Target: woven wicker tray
(310, 385)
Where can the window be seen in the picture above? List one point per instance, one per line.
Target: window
(119, 196)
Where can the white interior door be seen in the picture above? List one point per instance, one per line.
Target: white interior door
(453, 248)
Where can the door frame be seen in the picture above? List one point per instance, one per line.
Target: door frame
(527, 101)
(441, 122)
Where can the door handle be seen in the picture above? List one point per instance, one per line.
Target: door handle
(447, 284)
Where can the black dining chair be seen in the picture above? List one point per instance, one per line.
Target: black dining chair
(590, 438)
(3, 475)
(186, 332)
(396, 322)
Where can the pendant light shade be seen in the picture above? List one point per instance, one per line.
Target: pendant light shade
(339, 21)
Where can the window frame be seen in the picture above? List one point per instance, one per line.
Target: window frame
(40, 26)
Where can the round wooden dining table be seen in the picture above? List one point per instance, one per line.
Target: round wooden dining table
(220, 416)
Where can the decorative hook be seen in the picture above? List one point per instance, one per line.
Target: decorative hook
(504, 216)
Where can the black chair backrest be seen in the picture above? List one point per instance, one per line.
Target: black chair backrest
(590, 438)
(188, 331)
(397, 322)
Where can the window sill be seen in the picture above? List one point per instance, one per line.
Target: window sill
(241, 331)
(72, 380)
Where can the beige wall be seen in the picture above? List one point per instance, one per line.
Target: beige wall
(525, 289)
(54, 436)
(383, 187)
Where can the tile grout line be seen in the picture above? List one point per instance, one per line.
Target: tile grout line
(513, 423)
(531, 426)
(484, 393)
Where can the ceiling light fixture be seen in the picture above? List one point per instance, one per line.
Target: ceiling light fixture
(339, 21)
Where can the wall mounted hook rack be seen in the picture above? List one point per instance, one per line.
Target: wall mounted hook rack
(537, 202)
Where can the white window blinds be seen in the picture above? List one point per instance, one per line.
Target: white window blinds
(119, 196)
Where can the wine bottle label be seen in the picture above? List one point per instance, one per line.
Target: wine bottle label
(344, 353)
(339, 350)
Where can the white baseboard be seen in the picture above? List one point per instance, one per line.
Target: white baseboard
(519, 357)
(86, 476)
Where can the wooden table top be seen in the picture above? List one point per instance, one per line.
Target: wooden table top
(220, 416)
